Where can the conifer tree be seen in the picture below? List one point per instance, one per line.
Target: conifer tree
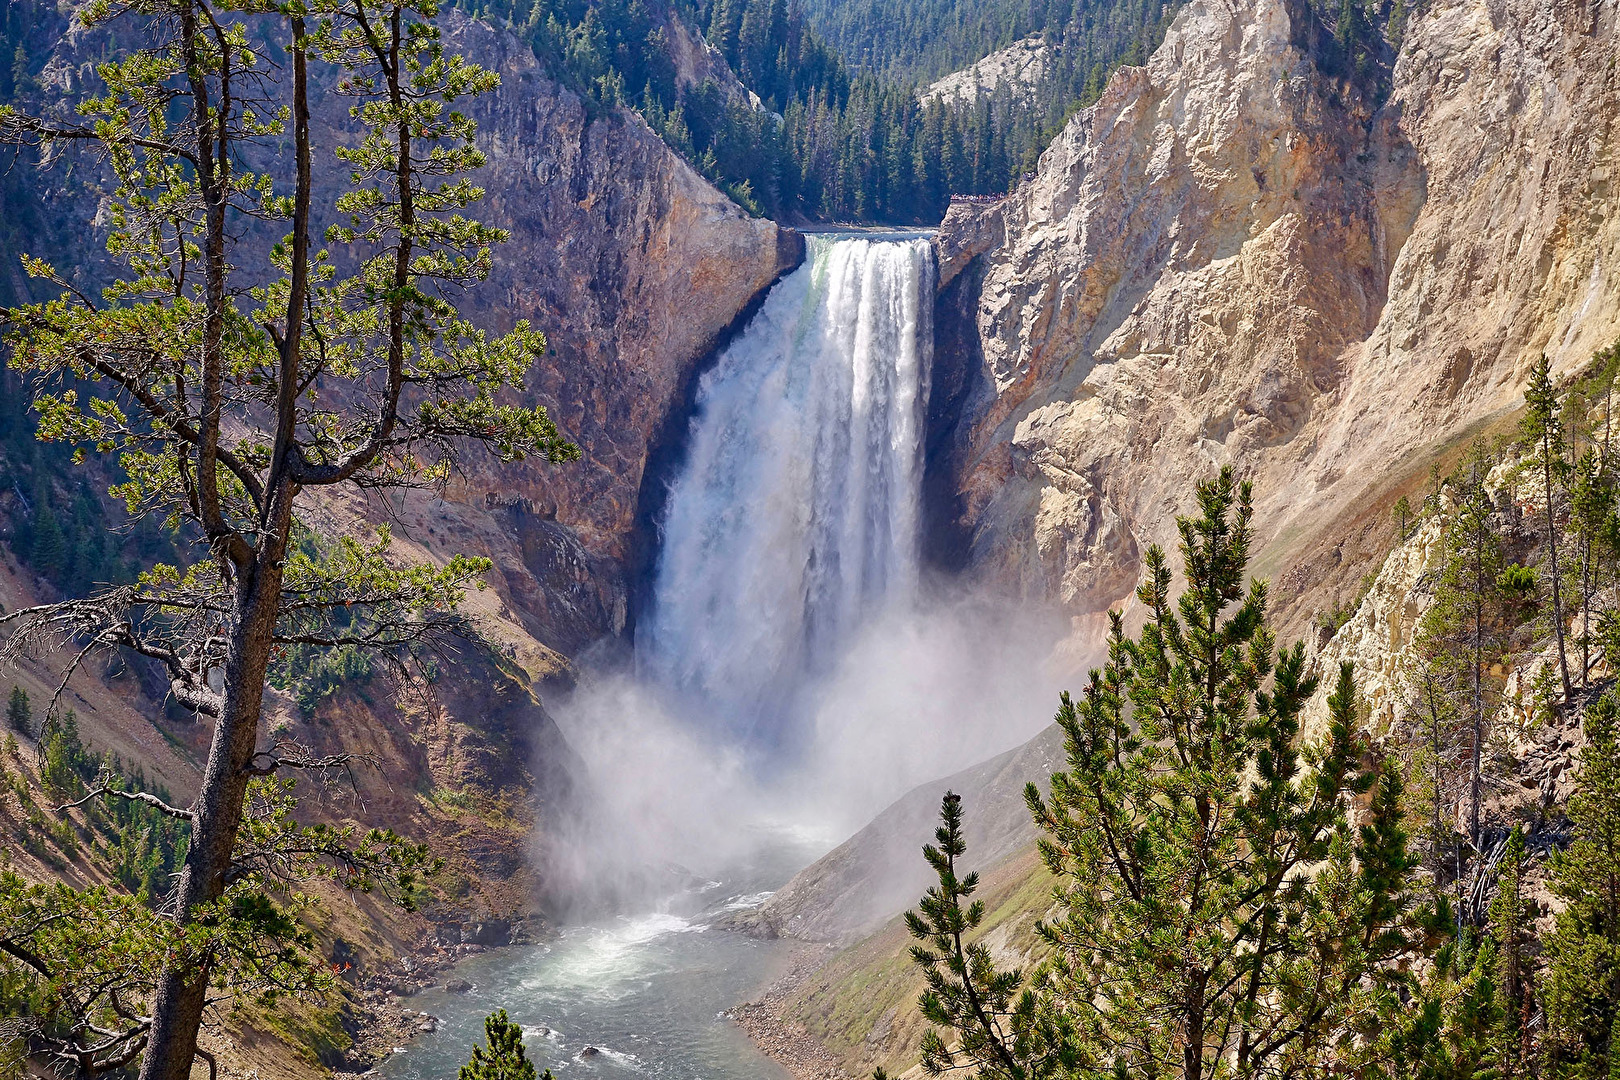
(724, 27)
(1445, 1031)
(19, 714)
(1543, 432)
(1581, 994)
(1192, 938)
(966, 994)
(1463, 632)
(502, 1057)
(1511, 926)
(64, 761)
(48, 549)
(1591, 505)
(1430, 748)
(1402, 513)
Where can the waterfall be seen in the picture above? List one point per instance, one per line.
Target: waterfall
(795, 518)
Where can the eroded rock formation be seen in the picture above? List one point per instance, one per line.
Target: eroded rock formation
(1236, 256)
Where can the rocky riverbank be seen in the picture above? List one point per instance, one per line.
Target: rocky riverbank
(781, 1038)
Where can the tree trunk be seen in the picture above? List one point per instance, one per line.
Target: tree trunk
(182, 991)
(1434, 727)
(1586, 610)
(1475, 791)
(1552, 559)
(1192, 1055)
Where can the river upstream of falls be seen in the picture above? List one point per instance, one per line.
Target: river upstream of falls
(784, 662)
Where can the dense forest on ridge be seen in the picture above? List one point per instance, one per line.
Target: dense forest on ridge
(842, 128)
(827, 140)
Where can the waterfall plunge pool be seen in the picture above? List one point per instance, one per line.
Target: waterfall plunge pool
(647, 991)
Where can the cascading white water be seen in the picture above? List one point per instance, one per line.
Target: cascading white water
(796, 515)
(787, 614)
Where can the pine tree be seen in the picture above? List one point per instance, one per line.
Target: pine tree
(1582, 987)
(1463, 632)
(1350, 35)
(19, 713)
(1397, 25)
(1511, 925)
(1591, 505)
(1544, 434)
(502, 1057)
(1402, 513)
(966, 993)
(1445, 1031)
(724, 27)
(1183, 827)
(65, 763)
(22, 79)
(1432, 720)
(48, 550)
(1384, 862)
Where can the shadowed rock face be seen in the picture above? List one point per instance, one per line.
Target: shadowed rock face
(1235, 257)
(634, 266)
(627, 258)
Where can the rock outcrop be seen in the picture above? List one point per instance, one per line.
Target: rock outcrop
(1237, 256)
(1016, 70)
(1379, 636)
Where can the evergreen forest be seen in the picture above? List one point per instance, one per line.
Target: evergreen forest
(840, 126)
(829, 139)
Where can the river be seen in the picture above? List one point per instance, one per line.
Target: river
(646, 991)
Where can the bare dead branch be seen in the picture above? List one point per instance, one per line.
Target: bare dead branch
(274, 762)
(132, 796)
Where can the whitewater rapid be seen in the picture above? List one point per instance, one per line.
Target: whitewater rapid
(796, 516)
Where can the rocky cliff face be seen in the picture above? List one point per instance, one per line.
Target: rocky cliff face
(634, 266)
(1235, 256)
(1018, 69)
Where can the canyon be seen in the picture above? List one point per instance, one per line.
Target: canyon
(1243, 253)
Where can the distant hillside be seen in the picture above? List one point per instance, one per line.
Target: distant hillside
(920, 40)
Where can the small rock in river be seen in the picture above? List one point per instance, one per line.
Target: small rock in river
(458, 986)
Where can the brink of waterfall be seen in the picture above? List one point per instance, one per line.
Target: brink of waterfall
(795, 518)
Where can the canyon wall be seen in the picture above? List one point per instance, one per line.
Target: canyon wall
(634, 266)
(1239, 256)
(628, 259)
